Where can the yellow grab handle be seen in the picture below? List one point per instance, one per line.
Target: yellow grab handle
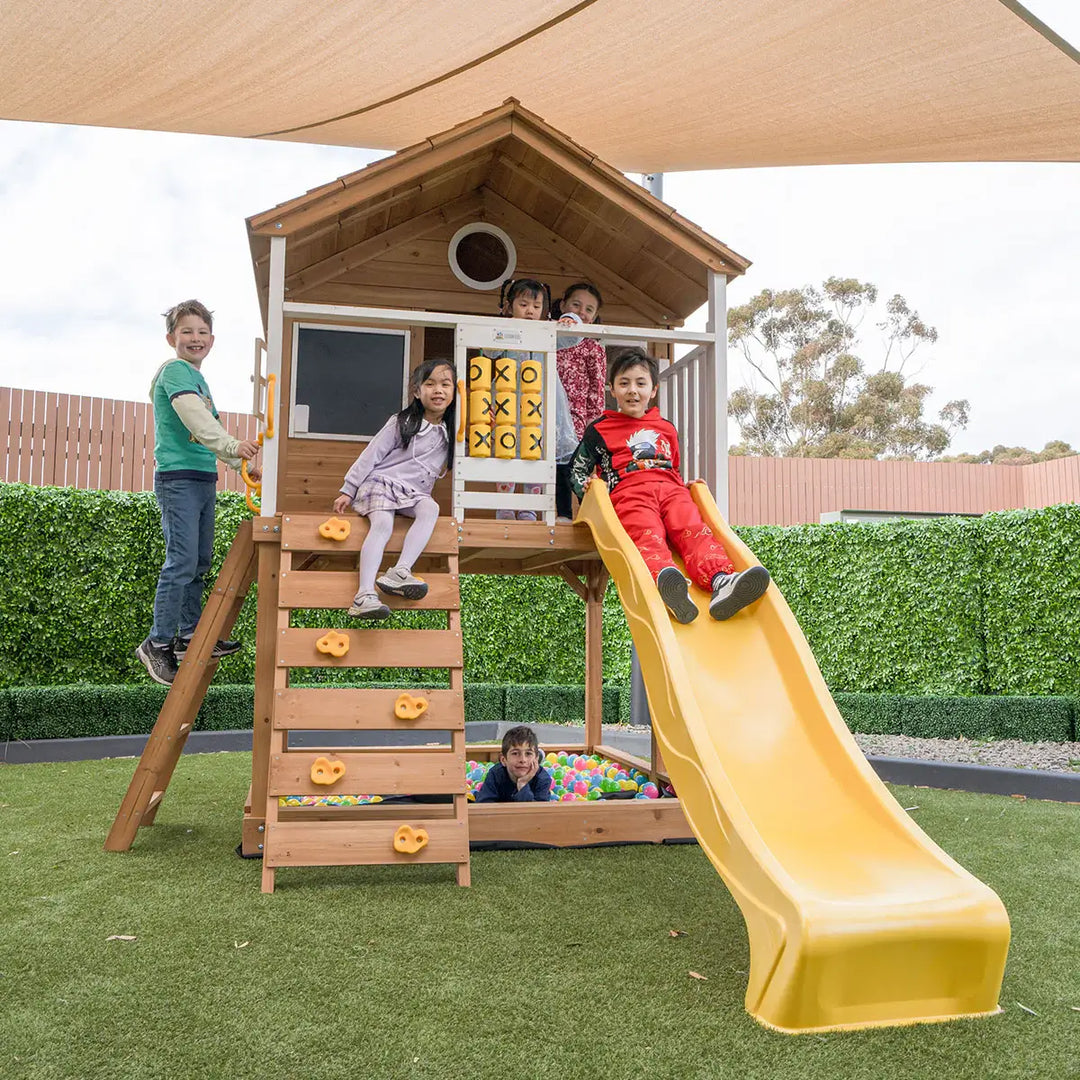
(271, 383)
(461, 410)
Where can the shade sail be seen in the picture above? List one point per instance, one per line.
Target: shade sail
(685, 84)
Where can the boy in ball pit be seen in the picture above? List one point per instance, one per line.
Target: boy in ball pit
(637, 453)
(519, 776)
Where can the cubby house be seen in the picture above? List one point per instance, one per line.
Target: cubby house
(359, 281)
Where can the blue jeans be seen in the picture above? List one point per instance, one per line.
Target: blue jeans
(187, 520)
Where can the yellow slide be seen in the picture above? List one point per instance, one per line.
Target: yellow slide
(855, 917)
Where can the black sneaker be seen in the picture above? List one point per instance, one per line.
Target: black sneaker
(222, 648)
(158, 660)
(674, 593)
(732, 592)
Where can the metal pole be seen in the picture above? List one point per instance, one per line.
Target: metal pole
(639, 703)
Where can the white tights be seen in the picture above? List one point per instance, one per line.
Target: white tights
(381, 524)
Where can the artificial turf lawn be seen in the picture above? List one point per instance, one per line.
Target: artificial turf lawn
(553, 964)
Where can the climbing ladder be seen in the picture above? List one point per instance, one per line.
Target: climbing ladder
(185, 696)
(319, 571)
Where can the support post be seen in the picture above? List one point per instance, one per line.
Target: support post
(596, 581)
(275, 329)
(715, 441)
(266, 634)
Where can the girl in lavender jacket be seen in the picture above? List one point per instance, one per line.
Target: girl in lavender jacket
(395, 475)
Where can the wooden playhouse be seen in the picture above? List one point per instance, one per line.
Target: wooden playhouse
(359, 281)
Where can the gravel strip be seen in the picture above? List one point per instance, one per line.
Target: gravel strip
(1005, 753)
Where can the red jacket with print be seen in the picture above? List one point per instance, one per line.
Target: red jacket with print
(627, 449)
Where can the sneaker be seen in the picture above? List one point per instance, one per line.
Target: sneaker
(732, 592)
(526, 515)
(158, 660)
(564, 521)
(222, 648)
(368, 606)
(504, 515)
(400, 582)
(674, 593)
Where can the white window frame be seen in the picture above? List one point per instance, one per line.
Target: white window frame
(297, 327)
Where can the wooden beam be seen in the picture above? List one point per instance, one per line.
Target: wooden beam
(635, 200)
(575, 583)
(574, 824)
(574, 206)
(377, 205)
(405, 167)
(497, 207)
(351, 257)
(551, 558)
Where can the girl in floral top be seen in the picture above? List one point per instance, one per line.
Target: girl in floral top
(582, 364)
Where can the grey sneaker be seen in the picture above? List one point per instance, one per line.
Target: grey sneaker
(398, 581)
(158, 660)
(504, 515)
(368, 606)
(674, 593)
(526, 515)
(732, 592)
(220, 649)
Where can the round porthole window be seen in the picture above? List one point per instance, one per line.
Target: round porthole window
(482, 256)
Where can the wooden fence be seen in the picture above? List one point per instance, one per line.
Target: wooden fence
(91, 442)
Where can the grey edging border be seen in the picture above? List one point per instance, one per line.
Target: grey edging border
(983, 779)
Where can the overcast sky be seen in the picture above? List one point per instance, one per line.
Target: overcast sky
(104, 229)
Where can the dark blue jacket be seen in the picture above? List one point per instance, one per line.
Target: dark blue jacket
(499, 786)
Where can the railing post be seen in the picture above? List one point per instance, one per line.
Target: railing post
(713, 389)
(275, 329)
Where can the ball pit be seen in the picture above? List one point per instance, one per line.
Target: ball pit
(578, 778)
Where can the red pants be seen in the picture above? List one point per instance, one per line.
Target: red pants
(656, 512)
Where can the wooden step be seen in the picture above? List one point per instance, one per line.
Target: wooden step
(332, 589)
(349, 843)
(373, 648)
(411, 771)
(300, 533)
(342, 708)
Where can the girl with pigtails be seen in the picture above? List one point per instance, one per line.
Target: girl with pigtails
(395, 475)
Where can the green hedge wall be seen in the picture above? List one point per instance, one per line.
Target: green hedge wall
(944, 607)
(889, 608)
(83, 710)
(83, 567)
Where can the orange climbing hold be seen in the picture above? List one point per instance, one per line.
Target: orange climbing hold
(333, 644)
(408, 840)
(408, 707)
(325, 771)
(335, 528)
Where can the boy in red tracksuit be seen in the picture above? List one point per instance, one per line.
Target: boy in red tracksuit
(637, 453)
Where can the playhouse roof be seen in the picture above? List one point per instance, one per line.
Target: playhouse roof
(509, 168)
(653, 87)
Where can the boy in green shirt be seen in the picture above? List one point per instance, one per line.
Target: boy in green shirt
(188, 440)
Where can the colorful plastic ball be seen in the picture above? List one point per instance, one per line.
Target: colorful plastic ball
(581, 788)
(567, 797)
(594, 793)
(651, 791)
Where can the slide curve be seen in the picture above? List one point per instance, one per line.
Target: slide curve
(855, 917)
